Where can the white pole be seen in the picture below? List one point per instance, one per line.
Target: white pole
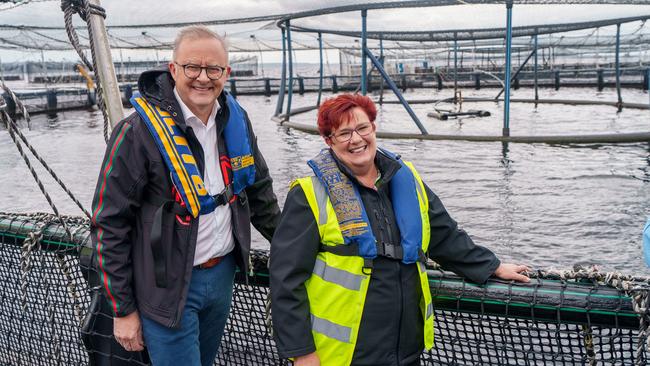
(105, 70)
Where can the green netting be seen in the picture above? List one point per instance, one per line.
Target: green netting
(45, 300)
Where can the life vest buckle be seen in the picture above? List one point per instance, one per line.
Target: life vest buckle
(389, 250)
(225, 196)
(367, 266)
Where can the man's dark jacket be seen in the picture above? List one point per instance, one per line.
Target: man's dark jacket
(133, 178)
(391, 330)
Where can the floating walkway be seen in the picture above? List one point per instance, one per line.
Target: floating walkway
(547, 139)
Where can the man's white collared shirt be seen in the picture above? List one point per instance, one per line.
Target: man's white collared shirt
(214, 238)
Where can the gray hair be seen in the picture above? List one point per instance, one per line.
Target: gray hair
(198, 32)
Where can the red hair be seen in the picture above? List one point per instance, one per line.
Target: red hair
(334, 111)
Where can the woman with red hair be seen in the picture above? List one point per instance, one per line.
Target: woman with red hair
(348, 281)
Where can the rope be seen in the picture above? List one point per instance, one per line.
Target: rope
(638, 289)
(14, 129)
(31, 243)
(11, 127)
(84, 9)
(19, 103)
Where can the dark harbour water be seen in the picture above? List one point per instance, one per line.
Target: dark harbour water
(543, 205)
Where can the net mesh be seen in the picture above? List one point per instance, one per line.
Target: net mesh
(50, 315)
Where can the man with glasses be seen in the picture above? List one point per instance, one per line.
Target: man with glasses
(181, 182)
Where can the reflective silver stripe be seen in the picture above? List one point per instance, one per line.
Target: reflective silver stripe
(321, 200)
(340, 277)
(429, 311)
(419, 188)
(422, 267)
(329, 329)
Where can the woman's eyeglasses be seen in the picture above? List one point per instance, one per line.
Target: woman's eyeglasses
(345, 135)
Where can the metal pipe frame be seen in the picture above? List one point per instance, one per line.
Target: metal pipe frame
(289, 52)
(395, 89)
(320, 74)
(283, 84)
(506, 97)
(521, 67)
(536, 66)
(618, 67)
(364, 46)
(455, 68)
(381, 60)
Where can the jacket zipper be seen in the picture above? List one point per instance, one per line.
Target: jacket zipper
(176, 312)
(400, 308)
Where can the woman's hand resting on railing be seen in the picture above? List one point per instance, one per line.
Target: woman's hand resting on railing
(510, 271)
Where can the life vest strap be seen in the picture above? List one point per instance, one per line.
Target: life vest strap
(165, 204)
(387, 250)
(350, 250)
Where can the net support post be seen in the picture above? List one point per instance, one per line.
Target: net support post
(364, 46)
(506, 99)
(646, 80)
(381, 81)
(290, 55)
(395, 89)
(455, 67)
(283, 78)
(106, 72)
(320, 64)
(233, 88)
(535, 69)
(619, 102)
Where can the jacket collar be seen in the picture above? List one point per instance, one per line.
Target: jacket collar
(387, 166)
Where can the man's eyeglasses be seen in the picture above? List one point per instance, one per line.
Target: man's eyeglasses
(192, 71)
(345, 135)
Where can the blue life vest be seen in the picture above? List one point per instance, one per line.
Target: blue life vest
(351, 215)
(176, 152)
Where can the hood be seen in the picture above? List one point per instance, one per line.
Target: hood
(157, 86)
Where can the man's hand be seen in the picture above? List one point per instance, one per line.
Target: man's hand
(307, 360)
(128, 332)
(509, 271)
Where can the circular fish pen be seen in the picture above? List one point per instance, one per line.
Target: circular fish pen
(458, 65)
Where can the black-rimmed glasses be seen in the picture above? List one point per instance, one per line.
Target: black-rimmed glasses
(193, 71)
(345, 135)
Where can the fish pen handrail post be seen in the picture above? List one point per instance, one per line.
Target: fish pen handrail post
(283, 83)
(513, 77)
(535, 68)
(618, 66)
(647, 72)
(455, 67)
(289, 51)
(106, 73)
(506, 98)
(320, 72)
(392, 85)
(381, 61)
(364, 46)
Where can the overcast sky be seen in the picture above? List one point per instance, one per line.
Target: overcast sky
(122, 12)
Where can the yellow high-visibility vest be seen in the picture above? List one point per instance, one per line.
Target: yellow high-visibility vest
(338, 285)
